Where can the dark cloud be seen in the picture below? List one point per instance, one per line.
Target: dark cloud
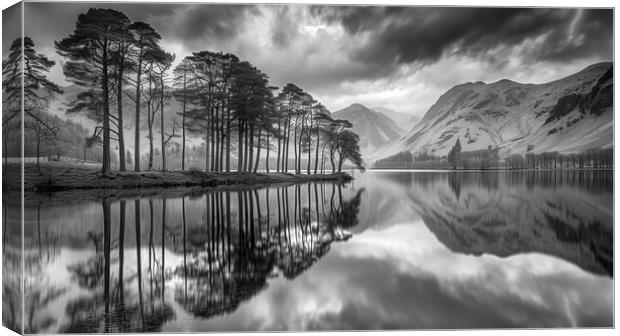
(593, 34)
(380, 46)
(182, 22)
(284, 27)
(11, 27)
(211, 21)
(423, 34)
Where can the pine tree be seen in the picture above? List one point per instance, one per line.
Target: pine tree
(182, 73)
(145, 39)
(38, 90)
(454, 152)
(89, 50)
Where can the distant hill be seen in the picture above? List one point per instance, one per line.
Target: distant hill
(374, 128)
(404, 121)
(568, 115)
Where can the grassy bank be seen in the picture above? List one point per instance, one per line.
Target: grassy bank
(53, 177)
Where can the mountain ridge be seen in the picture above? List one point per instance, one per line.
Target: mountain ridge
(511, 116)
(375, 129)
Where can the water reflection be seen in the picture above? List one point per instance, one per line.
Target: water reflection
(11, 264)
(206, 252)
(565, 214)
(423, 250)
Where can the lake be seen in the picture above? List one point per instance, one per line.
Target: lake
(389, 250)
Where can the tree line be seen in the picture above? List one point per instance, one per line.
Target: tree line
(595, 158)
(223, 100)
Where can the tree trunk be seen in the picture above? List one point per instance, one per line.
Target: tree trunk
(295, 146)
(288, 143)
(150, 116)
(250, 152)
(279, 146)
(105, 167)
(240, 147)
(316, 152)
(257, 151)
(183, 118)
(309, 147)
(299, 151)
(136, 161)
(161, 124)
(207, 153)
(211, 131)
(228, 135)
(222, 141)
(119, 110)
(267, 159)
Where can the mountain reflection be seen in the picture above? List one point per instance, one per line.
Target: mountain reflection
(423, 253)
(565, 214)
(125, 265)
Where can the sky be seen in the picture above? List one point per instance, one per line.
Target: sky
(401, 58)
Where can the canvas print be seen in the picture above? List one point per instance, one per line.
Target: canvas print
(208, 167)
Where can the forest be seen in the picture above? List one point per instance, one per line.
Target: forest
(127, 85)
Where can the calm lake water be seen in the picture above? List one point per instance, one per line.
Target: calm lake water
(389, 250)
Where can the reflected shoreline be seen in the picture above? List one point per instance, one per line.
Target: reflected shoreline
(158, 259)
(231, 243)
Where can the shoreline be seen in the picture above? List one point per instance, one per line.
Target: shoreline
(59, 178)
(448, 170)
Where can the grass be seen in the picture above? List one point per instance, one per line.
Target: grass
(54, 177)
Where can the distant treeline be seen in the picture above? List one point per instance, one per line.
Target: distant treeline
(490, 159)
(223, 100)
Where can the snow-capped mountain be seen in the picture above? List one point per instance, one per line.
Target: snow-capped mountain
(404, 121)
(374, 128)
(568, 115)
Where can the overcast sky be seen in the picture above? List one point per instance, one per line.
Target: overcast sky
(402, 58)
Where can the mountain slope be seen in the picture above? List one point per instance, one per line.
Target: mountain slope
(405, 121)
(374, 128)
(567, 115)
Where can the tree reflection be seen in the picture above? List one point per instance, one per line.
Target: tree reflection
(40, 249)
(110, 307)
(11, 267)
(206, 253)
(270, 239)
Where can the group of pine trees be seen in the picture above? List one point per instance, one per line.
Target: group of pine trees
(223, 100)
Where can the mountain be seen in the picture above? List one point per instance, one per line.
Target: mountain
(568, 115)
(414, 120)
(374, 128)
(405, 121)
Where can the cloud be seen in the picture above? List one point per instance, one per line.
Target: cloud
(196, 22)
(381, 280)
(394, 57)
(284, 28)
(11, 27)
(424, 34)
